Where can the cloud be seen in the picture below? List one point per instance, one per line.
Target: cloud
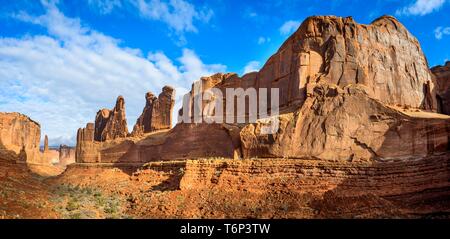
(262, 40)
(251, 67)
(179, 15)
(105, 6)
(289, 27)
(62, 78)
(421, 7)
(439, 32)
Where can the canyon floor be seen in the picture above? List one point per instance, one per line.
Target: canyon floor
(222, 188)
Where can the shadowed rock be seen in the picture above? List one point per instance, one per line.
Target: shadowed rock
(442, 74)
(111, 124)
(157, 113)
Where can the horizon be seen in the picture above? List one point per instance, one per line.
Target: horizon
(64, 61)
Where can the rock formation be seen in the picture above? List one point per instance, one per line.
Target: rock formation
(86, 149)
(383, 58)
(442, 75)
(157, 113)
(346, 124)
(348, 92)
(111, 124)
(66, 155)
(19, 137)
(45, 143)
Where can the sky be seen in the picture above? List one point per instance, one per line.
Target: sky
(62, 61)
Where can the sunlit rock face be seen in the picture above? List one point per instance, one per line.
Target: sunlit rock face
(19, 137)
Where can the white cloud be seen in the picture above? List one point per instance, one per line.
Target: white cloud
(439, 32)
(289, 27)
(105, 6)
(421, 7)
(252, 66)
(262, 40)
(63, 78)
(179, 15)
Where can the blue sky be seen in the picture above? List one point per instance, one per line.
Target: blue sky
(61, 61)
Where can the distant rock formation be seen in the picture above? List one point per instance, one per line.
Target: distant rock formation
(157, 113)
(45, 143)
(442, 74)
(66, 155)
(19, 137)
(111, 124)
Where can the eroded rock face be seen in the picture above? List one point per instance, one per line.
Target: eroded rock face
(66, 155)
(442, 75)
(383, 57)
(346, 124)
(19, 137)
(157, 113)
(86, 149)
(111, 124)
(348, 92)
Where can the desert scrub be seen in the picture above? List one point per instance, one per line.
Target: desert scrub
(76, 202)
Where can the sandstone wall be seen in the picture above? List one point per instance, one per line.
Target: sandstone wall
(442, 75)
(348, 92)
(383, 57)
(19, 137)
(66, 155)
(86, 148)
(335, 124)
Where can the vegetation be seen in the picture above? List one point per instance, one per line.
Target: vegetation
(75, 202)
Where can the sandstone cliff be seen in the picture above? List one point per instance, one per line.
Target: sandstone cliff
(66, 155)
(348, 92)
(383, 58)
(442, 75)
(19, 137)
